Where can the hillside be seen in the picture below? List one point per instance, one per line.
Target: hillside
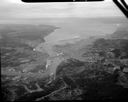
(20, 65)
(94, 69)
(120, 33)
(104, 76)
(25, 33)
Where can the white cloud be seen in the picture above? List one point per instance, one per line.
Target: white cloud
(17, 9)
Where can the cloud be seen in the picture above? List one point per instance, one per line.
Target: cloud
(13, 9)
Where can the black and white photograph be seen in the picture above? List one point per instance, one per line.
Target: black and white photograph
(54, 51)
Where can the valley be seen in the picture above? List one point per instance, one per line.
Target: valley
(42, 61)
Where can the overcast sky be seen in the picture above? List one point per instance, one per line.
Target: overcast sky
(15, 9)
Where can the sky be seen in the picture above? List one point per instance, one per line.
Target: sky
(16, 9)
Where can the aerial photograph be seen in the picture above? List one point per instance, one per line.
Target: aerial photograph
(63, 51)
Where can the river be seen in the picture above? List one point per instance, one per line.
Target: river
(53, 60)
(67, 30)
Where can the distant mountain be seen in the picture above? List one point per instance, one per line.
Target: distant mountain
(120, 33)
(31, 35)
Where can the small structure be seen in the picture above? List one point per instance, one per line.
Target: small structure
(116, 67)
(24, 70)
(34, 49)
(40, 71)
(48, 63)
(11, 69)
(125, 70)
